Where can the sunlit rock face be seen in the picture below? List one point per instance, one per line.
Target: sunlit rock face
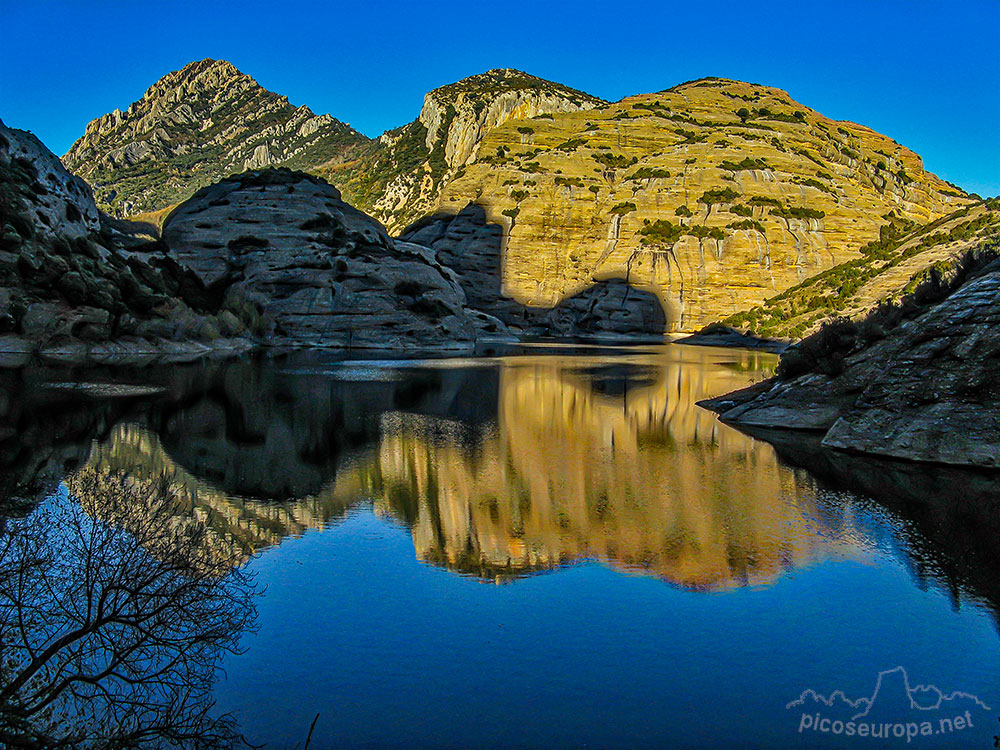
(402, 176)
(473, 248)
(760, 192)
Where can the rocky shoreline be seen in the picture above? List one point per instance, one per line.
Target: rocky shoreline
(918, 382)
(266, 259)
(721, 335)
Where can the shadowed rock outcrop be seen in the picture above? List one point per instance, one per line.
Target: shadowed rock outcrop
(927, 390)
(324, 273)
(473, 248)
(66, 289)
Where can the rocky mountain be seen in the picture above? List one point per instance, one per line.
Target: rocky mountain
(714, 195)
(65, 287)
(324, 273)
(917, 381)
(193, 127)
(401, 176)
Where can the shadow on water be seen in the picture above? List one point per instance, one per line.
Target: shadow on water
(952, 515)
(500, 467)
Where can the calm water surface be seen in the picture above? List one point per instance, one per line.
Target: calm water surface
(551, 548)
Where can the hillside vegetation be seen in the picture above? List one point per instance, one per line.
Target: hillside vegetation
(888, 269)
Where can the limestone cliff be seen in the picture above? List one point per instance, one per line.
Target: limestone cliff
(889, 268)
(401, 177)
(473, 248)
(715, 194)
(193, 127)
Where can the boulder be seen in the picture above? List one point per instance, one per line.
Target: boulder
(325, 273)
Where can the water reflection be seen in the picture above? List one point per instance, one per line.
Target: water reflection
(519, 466)
(590, 461)
(114, 610)
(498, 468)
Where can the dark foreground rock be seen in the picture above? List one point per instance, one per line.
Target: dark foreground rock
(66, 291)
(929, 390)
(474, 248)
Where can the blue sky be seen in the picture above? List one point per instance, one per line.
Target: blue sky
(925, 73)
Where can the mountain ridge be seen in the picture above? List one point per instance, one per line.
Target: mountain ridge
(192, 127)
(713, 194)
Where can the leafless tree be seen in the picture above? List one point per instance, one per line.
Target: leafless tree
(115, 607)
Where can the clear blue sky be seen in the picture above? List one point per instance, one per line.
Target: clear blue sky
(925, 72)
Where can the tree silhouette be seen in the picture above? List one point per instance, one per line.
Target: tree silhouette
(115, 606)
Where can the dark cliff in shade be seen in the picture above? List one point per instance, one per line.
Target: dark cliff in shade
(68, 290)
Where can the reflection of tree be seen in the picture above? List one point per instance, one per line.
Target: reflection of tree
(113, 613)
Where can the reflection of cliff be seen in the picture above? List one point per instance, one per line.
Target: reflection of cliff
(278, 431)
(506, 467)
(582, 465)
(135, 456)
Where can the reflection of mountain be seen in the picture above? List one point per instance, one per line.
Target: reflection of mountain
(498, 471)
(46, 431)
(133, 455)
(523, 463)
(635, 476)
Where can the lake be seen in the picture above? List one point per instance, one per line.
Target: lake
(543, 546)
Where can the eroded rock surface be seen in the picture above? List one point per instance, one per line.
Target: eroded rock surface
(324, 273)
(928, 391)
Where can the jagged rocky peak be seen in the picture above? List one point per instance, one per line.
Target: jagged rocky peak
(459, 114)
(194, 126)
(401, 178)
